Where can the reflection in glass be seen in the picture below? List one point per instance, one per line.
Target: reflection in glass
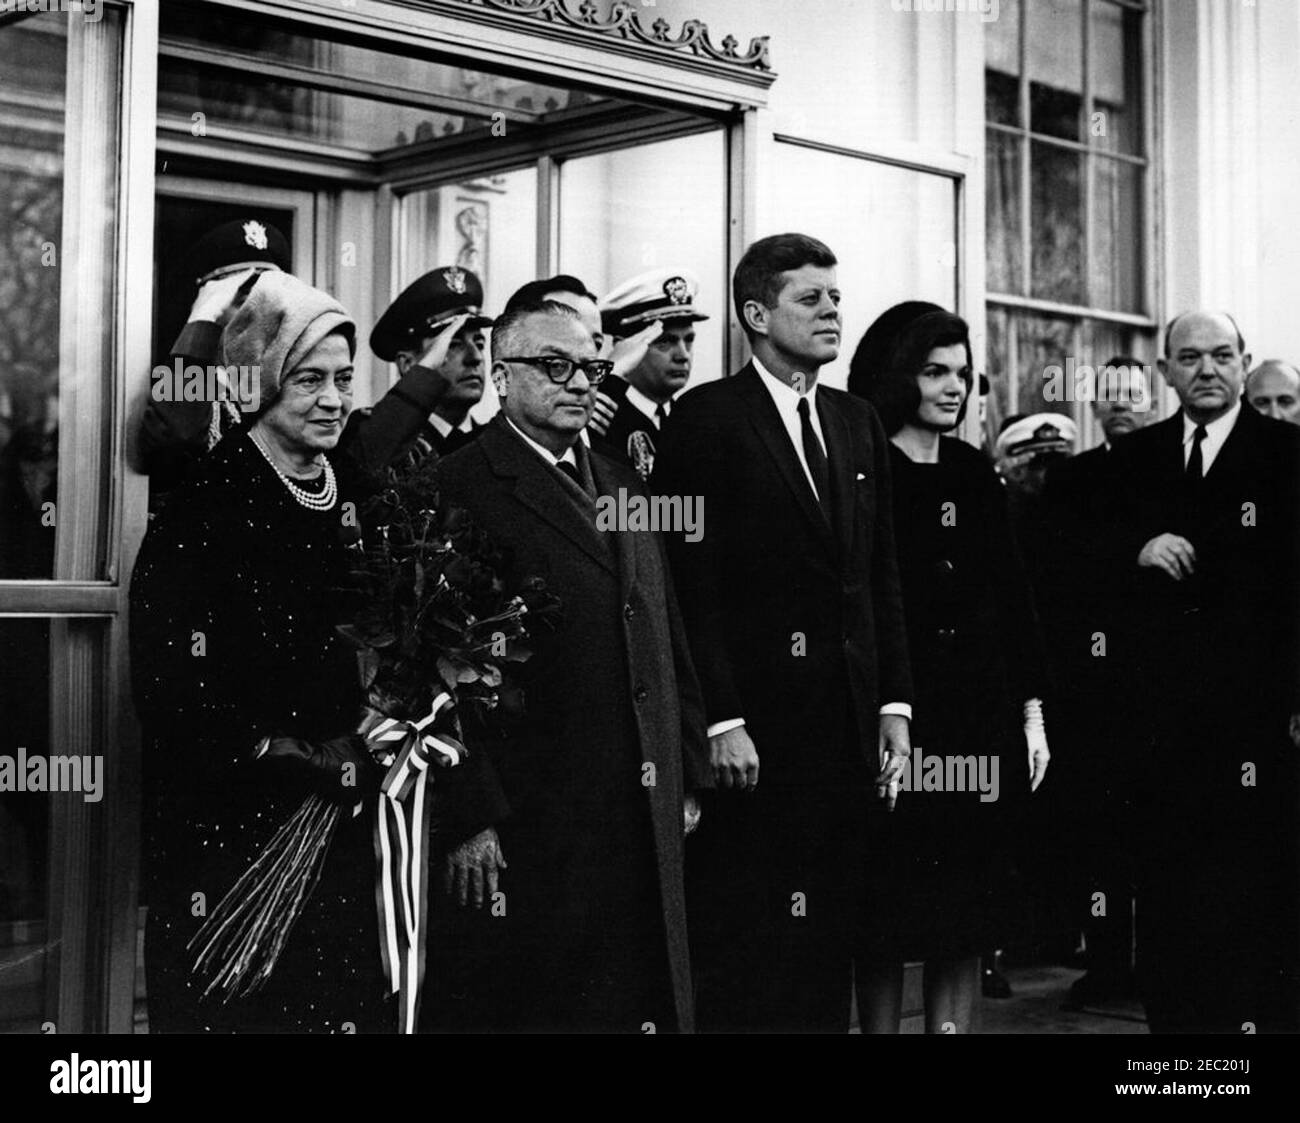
(33, 75)
(1002, 215)
(653, 206)
(24, 826)
(1116, 276)
(486, 225)
(1042, 342)
(306, 88)
(1056, 215)
(1117, 78)
(1055, 67)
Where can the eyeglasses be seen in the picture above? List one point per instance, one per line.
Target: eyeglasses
(559, 370)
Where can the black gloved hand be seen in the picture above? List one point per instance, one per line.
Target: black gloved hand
(340, 768)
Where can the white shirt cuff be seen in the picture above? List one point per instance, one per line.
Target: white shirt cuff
(722, 726)
(901, 709)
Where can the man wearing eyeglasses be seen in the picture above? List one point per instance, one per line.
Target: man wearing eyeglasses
(564, 840)
(1206, 544)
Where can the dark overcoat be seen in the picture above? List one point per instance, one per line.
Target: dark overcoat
(586, 791)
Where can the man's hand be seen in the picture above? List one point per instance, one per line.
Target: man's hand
(473, 866)
(1039, 758)
(1170, 552)
(692, 812)
(220, 299)
(602, 417)
(895, 749)
(734, 759)
(436, 354)
(629, 352)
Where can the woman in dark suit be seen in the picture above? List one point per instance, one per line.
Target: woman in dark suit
(247, 697)
(975, 654)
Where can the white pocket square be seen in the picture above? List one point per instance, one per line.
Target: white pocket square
(861, 476)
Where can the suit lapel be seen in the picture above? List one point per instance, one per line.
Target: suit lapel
(839, 451)
(766, 422)
(625, 543)
(1235, 450)
(541, 489)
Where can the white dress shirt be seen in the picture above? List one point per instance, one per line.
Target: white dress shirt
(568, 456)
(786, 400)
(1216, 432)
(442, 426)
(647, 405)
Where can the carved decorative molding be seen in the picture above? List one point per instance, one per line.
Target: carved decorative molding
(624, 21)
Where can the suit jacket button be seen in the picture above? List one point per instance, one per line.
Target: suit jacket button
(640, 695)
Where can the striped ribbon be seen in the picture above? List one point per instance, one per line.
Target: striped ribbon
(402, 830)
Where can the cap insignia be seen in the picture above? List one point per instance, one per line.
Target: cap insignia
(455, 278)
(677, 290)
(255, 234)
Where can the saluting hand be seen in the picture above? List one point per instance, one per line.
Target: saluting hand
(220, 299)
(1171, 553)
(734, 759)
(436, 354)
(629, 352)
(474, 866)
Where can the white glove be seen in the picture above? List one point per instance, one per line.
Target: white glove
(1036, 739)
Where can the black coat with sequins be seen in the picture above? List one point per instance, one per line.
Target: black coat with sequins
(232, 622)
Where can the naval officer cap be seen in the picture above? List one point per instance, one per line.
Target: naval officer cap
(661, 294)
(245, 241)
(425, 306)
(1039, 432)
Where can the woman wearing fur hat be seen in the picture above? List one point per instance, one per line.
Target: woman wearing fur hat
(977, 733)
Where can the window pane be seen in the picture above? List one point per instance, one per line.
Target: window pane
(655, 205)
(488, 226)
(1042, 342)
(893, 230)
(44, 131)
(1116, 59)
(1002, 214)
(1055, 67)
(1002, 65)
(391, 101)
(998, 350)
(1057, 223)
(24, 826)
(1116, 265)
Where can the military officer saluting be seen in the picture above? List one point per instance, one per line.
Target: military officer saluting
(666, 297)
(176, 434)
(434, 332)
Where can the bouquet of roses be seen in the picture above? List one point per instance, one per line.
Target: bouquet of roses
(437, 631)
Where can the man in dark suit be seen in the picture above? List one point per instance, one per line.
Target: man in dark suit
(794, 615)
(666, 298)
(1207, 542)
(1090, 808)
(577, 816)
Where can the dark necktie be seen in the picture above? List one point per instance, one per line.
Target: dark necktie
(1195, 469)
(571, 470)
(816, 457)
(661, 415)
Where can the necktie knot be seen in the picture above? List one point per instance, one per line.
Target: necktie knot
(661, 414)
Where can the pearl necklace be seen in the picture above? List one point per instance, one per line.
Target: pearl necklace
(322, 502)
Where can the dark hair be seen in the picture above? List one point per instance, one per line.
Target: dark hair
(892, 353)
(758, 276)
(1169, 331)
(535, 291)
(507, 324)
